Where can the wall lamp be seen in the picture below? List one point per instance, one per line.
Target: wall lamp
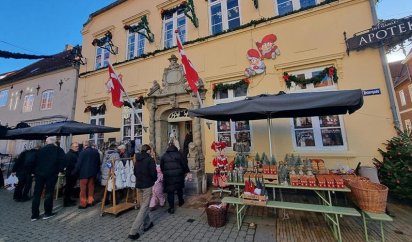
(38, 89)
(208, 124)
(106, 43)
(145, 128)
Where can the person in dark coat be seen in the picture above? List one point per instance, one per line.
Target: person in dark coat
(174, 167)
(86, 168)
(23, 169)
(146, 175)
(71, 160)
(49, 161)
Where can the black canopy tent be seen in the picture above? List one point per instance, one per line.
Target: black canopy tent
(282, 105)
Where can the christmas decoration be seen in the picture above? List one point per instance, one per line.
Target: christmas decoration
(190, 12)
(96, 110)
(220, 163)
(138, 103)
(257, 66)
(329, 72)
(267, 47)
(7, 55)
(256, 3)
(223, 87)
(142, 25)
(394, 169)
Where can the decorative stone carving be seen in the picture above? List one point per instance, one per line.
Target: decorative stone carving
(154, 88)
(193, 156)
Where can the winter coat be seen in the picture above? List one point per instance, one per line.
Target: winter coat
(145, 170)
(174, 167)
(49, 161)
(88, 164)
(109, 156)
(23, 165)
(71, 160)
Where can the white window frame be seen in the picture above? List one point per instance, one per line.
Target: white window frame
(103, 60)
(410, 92)
(4, 97)
(174, 19)
(408, 125)
(402, 97)
(47, 96)
(231, 98)
(137, 39)
(225, 20)
(319, 147)
(28, 103)
(295, 5)
(127, 112)
(95, 136)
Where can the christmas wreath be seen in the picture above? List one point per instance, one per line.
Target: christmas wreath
(96, 110)
(223, 87)
(327, 72)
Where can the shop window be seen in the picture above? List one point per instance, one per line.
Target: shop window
(171, 22)
(4, 96)
(102, 56)
(46, 100)
(283, 7)
(132, 128)
(402, 97)
(224, 15)
(28, 103)
(97, 139)
(232, 131)
(319, 133)
(135, 45)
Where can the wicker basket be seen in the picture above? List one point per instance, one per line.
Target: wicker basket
(370, 196)
(347, 179)
(216, 217)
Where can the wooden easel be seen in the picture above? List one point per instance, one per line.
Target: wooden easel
(116, 209)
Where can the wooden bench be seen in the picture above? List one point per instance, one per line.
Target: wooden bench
(381, 217)
(331, 212)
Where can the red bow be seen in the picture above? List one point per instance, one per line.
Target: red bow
(331, 71)
(286, 77)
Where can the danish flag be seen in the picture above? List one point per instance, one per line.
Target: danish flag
(191, 74)
(114, 86)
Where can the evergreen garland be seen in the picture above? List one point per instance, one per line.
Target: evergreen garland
(395, 168)
(223, 87)
(253, 23)
(328, 71)
(7, 55)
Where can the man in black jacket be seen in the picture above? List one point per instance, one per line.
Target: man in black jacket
(146, 175)
(23, 168)
(71, 160)
(87, 167)
(49, 161)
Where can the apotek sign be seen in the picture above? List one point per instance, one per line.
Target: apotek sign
(385, 33)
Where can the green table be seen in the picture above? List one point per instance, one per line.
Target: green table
(381, 217)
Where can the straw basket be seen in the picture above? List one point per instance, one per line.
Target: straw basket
(370, 196)
(216, 217)
(347, 179)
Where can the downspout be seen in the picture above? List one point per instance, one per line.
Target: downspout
(386, 71)
(69, 139)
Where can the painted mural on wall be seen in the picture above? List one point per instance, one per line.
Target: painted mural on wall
(267, 47)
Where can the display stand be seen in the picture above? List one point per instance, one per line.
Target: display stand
(116, 209)
(221, 175)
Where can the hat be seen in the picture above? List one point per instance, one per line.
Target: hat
(270, 38)
(252, 53)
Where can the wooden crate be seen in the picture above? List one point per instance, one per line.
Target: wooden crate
(255, 200)
(270, 179)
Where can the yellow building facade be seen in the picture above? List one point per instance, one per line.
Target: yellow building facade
(308, 41)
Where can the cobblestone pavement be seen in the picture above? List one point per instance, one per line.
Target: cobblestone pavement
(72, 224)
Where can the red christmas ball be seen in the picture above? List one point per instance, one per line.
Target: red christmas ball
(401, 143)
(398, 182)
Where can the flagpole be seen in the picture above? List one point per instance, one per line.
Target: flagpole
(128, 98)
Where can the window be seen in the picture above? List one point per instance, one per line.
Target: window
(46, 100)
(283, 7)
(321, 133)
(410, 92)
(28, 103)
(408, 125)
(171, 22)
(224, 15)
(402, 98)
(132, 128)
(102, 57)
(135, 45)
(232, 132)
(4, 96)
(98, 139)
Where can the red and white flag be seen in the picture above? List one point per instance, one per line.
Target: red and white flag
(114, 85)
(191, 74)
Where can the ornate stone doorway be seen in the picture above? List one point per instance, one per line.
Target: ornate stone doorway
(168, 105)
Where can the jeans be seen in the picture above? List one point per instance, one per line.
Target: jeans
(42, 182)
(171, 197)
(143, 218)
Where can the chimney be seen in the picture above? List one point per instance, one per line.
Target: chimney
(68, 47)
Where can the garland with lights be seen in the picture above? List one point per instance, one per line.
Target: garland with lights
(96, 110)
(328, 71)
(138, 103)
(223, 87)
(252, 23)
(7, 55)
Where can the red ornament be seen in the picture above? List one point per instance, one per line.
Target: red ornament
(331, 71)
(247, 81)
(398, 182)
(286, 77)
(401, 143)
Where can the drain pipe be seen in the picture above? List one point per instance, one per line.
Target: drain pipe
(386, 71)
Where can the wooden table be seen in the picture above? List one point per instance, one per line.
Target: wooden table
(331, 212)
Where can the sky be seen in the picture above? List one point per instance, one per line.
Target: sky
(44, 27)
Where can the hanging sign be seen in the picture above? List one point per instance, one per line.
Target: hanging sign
(369, 92)
(385, 33)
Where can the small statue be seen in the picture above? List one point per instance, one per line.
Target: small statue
(154, 88)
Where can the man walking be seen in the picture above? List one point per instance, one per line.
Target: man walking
(87, 167)
(23, 168)
(71, 160)
(49, 162)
